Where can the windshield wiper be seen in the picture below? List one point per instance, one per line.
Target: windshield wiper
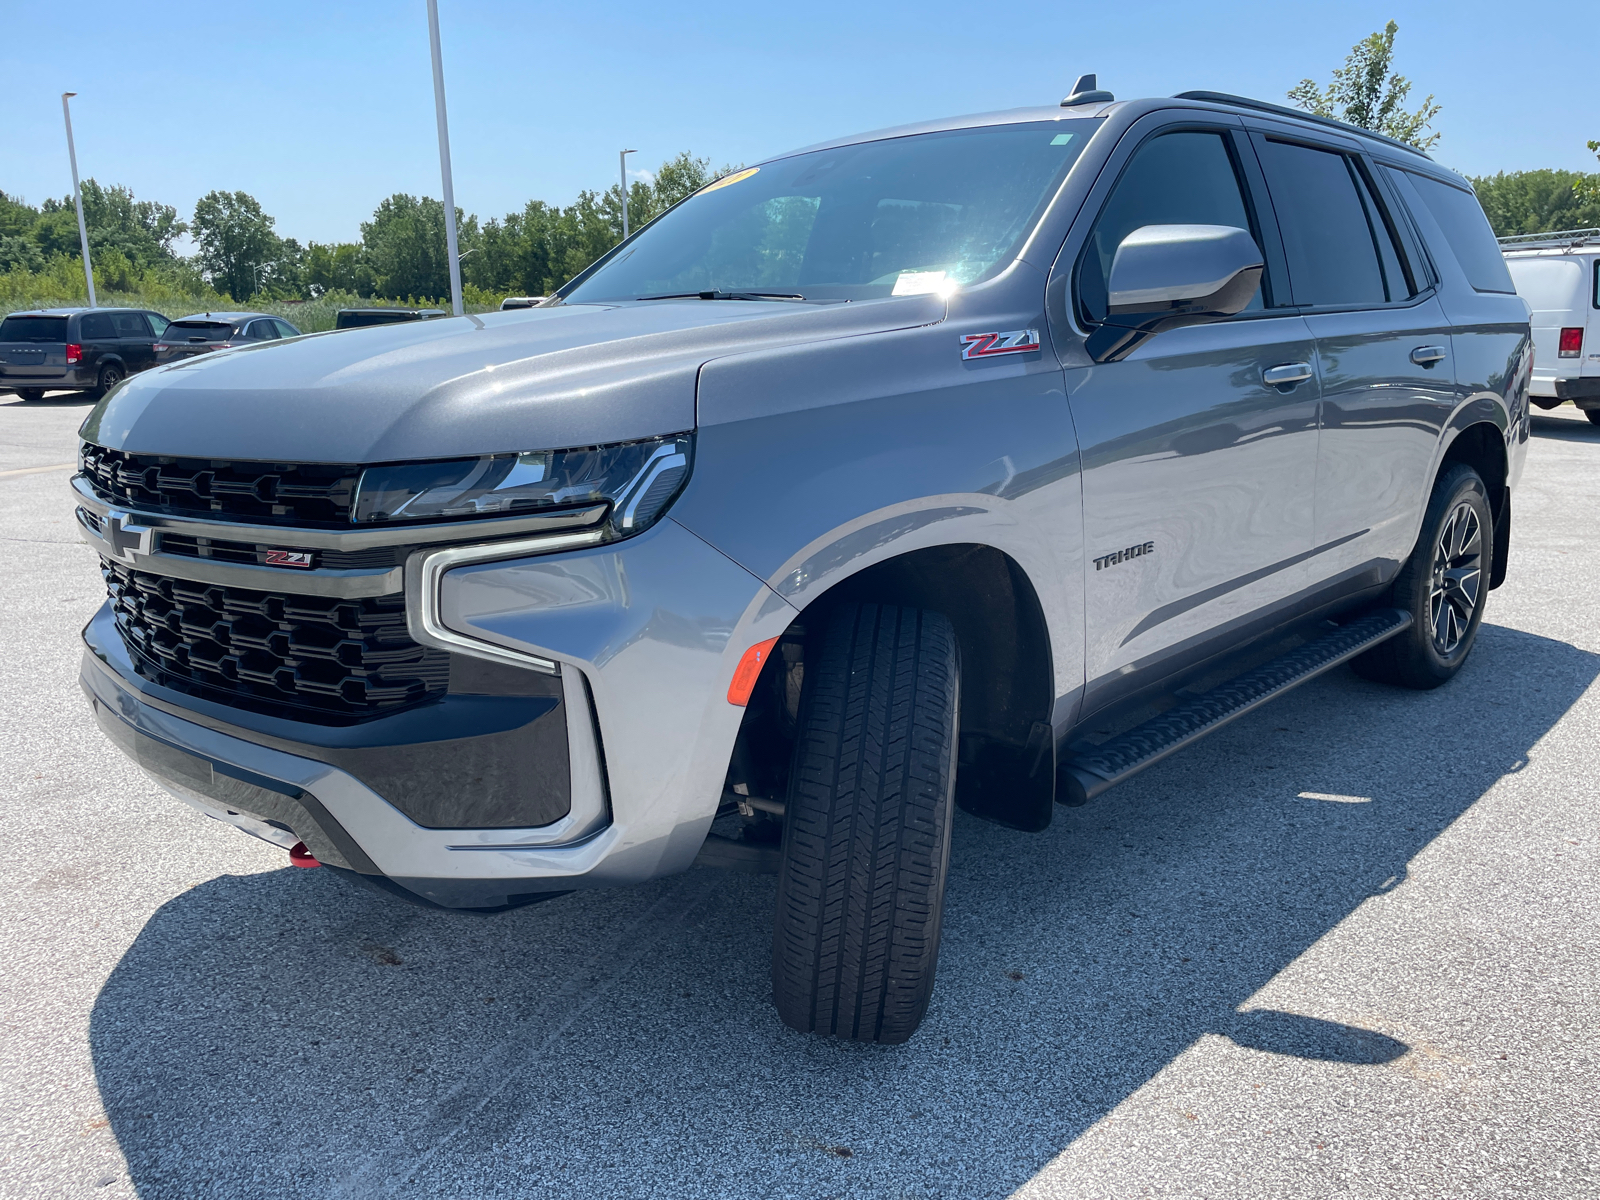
(726, 296)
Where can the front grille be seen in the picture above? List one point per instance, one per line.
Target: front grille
(313, 655)
(316, 494)
(186, 546)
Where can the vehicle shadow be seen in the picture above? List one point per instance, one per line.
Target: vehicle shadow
(284, 1035)
(1564, 429)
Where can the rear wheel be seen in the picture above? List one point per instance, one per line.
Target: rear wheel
(1593, 414)
(1443, 585)
(866, 840)
(110, 375)
(31, 395)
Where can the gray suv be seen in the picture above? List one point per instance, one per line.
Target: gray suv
(982, 462)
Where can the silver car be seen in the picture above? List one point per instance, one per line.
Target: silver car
(917, 469)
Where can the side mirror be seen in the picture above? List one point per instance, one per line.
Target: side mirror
(1164, 276)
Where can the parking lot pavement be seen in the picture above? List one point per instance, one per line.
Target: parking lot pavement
(1347, 947)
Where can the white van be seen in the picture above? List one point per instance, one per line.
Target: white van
(1558, 274)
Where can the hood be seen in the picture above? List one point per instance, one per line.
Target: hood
(530, 379)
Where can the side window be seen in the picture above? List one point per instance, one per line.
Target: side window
(1185, 178)
(266, 330)
(286, 329)
(1333, 231)
(95, 327)
(1467, 230)
(158, 323)
(130, 325)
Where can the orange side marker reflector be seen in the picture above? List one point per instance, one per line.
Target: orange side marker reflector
(748, 671)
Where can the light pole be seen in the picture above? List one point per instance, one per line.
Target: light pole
(623, 159)
(444, 160)
(77, 198)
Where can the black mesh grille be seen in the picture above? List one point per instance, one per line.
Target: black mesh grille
(257, 552)
(316, 494)
(312, 654)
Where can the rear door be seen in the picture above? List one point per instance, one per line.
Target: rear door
(135, 341)
(1384, 350)
(1197, 474)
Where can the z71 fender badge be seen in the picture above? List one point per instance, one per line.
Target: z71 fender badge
(289, 558)
(987, 345)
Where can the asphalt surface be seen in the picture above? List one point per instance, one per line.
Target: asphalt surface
(1347, 947)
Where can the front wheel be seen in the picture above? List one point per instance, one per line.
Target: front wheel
(1443, 586)
(866, 837)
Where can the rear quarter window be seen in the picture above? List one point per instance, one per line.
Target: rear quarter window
(1467, 230)
(95, 326)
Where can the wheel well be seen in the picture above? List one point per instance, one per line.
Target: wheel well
(1006, 768)
(1482, 446)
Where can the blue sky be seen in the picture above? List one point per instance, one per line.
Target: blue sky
(321, 109)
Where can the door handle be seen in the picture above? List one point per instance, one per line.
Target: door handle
(1426, 356)
(1286, 374)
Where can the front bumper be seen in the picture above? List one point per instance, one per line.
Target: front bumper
(644, 635)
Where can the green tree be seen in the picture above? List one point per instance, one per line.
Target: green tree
(1364, 92)
(237, 245)
(337, 267)
(1538, 201)
(405, 246)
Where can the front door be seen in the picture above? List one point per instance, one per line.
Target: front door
(1198, 475)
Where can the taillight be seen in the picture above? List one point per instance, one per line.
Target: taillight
(160, 346)
(1571, 343)
(75, 352)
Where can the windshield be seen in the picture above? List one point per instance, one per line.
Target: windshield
(33, 329)
(924, 213)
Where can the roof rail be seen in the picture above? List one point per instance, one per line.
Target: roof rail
(1560, 238)
(1301, 115)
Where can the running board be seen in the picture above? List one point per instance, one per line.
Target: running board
(1084, 776)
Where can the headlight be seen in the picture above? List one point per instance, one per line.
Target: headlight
(637, 478)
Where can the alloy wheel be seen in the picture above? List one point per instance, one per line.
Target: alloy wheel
(1457, 578)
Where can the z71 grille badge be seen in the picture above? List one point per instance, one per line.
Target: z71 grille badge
(988, 345)
(289, 558)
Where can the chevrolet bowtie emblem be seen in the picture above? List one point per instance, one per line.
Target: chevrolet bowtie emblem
(123, 538)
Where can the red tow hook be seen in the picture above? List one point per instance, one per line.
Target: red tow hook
(299, 856)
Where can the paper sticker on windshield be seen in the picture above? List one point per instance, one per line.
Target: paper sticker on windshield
(730, 180)
(919, 283)
(1061, 139)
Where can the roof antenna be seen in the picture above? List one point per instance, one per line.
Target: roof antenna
(1086, 92)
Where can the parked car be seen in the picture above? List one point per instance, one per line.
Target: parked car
(912, 470)
(202, 333)
(360, 318)
(75, 349)
(511, 302)
(1558, 274)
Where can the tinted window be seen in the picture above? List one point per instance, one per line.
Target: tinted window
(33, 329)
(130, 325)
(895, 216)
(1174, 179)
(1327, 237)
(1397, 281)
(198, 331)
(1467, 230)
(94, 326)
(286, 329)
(265, 330)
(158, 323)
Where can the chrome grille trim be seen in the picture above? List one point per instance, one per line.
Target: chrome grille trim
(342, 539)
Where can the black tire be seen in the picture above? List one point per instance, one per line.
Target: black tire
(110, 375)
(30, 395)
(1443, 585)
(866, 837)
(1593, 414)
